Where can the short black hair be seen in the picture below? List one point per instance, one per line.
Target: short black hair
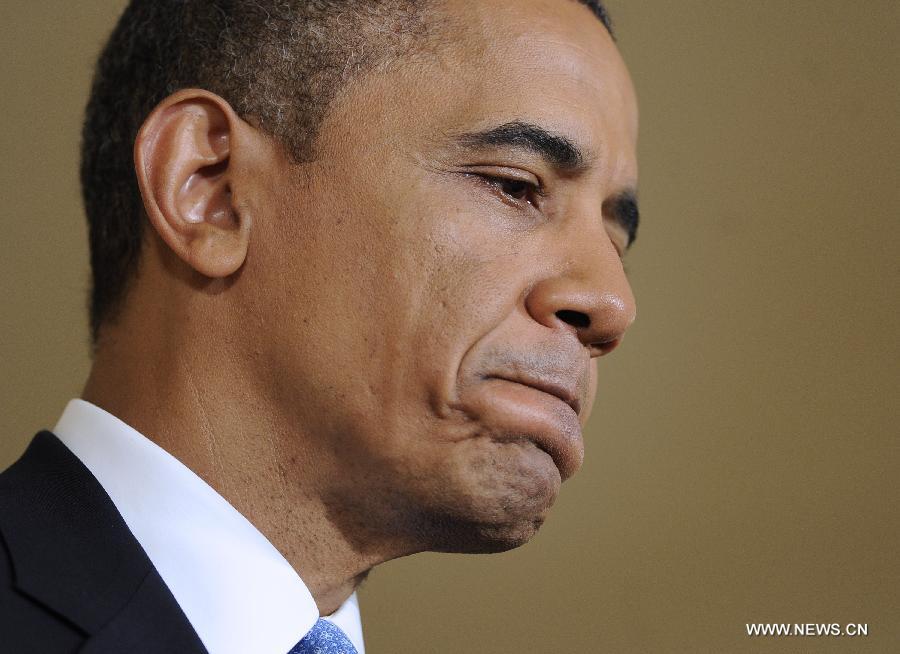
(278, 63)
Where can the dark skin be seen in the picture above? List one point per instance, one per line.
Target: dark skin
(394, 348)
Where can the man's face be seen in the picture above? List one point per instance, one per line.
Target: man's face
(446, 254)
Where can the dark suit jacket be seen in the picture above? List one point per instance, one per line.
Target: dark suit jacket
(72, 576)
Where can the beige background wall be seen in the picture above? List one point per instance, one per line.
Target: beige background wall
(742, 461)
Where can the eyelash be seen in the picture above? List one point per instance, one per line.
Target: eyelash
(497, 183)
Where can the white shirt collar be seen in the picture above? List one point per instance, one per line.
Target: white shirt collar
(238, 592)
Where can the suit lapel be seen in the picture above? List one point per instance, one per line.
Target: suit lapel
(148, 624)
(72, 552)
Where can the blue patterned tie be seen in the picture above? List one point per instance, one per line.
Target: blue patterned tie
(324, 638)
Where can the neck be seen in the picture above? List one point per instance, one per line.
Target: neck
(209, 415)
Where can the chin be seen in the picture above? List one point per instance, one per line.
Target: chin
(500, 504)
(460, 537)
(494, 538)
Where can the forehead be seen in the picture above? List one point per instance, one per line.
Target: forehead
(551, 61)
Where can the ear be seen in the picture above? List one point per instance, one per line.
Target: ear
(183, 157)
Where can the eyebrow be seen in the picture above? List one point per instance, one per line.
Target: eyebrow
(554, 148)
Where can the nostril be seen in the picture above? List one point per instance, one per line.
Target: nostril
(574, 318)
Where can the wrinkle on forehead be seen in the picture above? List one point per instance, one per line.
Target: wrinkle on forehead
(562, 73)
(544, 48)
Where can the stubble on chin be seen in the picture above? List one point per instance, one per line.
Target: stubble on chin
(491, 495)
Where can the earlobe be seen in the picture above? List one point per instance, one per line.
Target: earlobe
(183, 157)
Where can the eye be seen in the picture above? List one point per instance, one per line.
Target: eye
(515, 188)
(618, 236)
(512, 189)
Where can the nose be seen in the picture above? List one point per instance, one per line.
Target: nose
(590, 295)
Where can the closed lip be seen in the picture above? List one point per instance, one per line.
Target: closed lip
(553, 387)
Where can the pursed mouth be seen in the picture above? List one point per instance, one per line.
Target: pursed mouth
(527, 410)
(549, 387)
(522, 409)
